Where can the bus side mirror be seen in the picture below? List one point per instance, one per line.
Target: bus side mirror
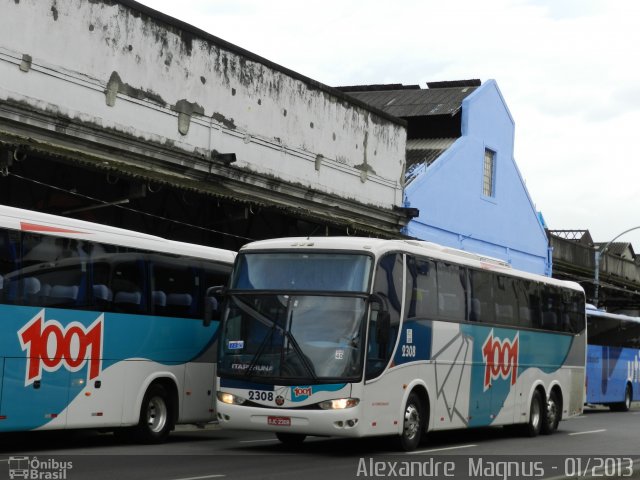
(212, 304)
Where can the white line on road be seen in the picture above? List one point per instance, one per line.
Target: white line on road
(262, 440)
(200, 478)
(441, 449)
(590, 431)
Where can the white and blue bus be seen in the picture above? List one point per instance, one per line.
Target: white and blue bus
(359, 337)
(102, 327)
(613, 359)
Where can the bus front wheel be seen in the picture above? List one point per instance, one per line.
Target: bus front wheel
(413, 422)
(536, 413)
(155, 416)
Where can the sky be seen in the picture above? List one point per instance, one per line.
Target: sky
(569, 71)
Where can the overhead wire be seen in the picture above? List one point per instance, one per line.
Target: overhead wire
(133, 210)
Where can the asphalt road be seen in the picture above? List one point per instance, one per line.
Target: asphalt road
(602, 443)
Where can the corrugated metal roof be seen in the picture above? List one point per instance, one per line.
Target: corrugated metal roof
(416, 103)
(423, 152)
(617, 248)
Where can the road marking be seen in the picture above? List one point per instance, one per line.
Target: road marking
(200, 478)
(590, 431)
(441, 449)
(263, 440)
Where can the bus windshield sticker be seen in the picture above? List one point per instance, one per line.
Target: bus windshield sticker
(236, 344)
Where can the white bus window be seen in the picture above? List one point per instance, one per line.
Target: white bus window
(481, 308)
(451, 292)
(422, 288)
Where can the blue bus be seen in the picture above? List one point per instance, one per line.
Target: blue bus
(613, 359)
(359, 337)
(102, 327)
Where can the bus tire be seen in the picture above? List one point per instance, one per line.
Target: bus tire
(291, 439)
(625, 405)
(155, 416)
(536, 414)
(552, 414)
(413, 423)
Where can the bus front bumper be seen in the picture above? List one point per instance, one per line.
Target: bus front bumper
(342, 423)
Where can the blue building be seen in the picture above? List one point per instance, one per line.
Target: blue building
(461, 173)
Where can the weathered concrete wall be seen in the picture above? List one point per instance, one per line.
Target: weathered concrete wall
(143, 76)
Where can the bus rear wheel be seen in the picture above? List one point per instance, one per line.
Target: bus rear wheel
(155, 416)
(625, 405)
(413, 422)
(552, 414)
(291, 439)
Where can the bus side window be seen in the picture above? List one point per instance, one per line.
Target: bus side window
(129, 286)
(421, 289)
(388, 287)
(506, 301)
(452, 297)
(523, 292)
(550, 303)
(481, 293)
(9, 262)
(176, 287)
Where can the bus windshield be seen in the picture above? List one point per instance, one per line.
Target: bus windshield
(316, 335)
(296, 271)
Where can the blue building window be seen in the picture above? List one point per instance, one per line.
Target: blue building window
(488, 173)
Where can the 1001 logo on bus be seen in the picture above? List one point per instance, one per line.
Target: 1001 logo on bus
(500, 359)
(50, 346)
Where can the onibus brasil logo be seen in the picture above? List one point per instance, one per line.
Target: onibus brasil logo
(500, 359)
(50, 346)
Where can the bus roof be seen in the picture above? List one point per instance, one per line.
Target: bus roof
(44, 223)
(379, 247)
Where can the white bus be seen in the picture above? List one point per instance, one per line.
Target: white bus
(359, 337)
(102, 327)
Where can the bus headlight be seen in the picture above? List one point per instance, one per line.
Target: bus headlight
(230, 398)
(339, 403)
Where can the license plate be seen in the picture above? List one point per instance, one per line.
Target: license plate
(279, 421)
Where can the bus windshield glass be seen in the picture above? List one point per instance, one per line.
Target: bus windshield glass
(296, 317)
(296, 271)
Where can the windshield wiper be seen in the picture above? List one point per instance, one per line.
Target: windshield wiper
(253, 313)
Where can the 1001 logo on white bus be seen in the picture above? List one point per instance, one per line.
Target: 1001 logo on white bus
(50, 346)
(500, 359)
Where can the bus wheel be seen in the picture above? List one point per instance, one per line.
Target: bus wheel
(291, 439)
(536, 411)
(626, 404)
(413, 424)
(552, 414)
(155, 416)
